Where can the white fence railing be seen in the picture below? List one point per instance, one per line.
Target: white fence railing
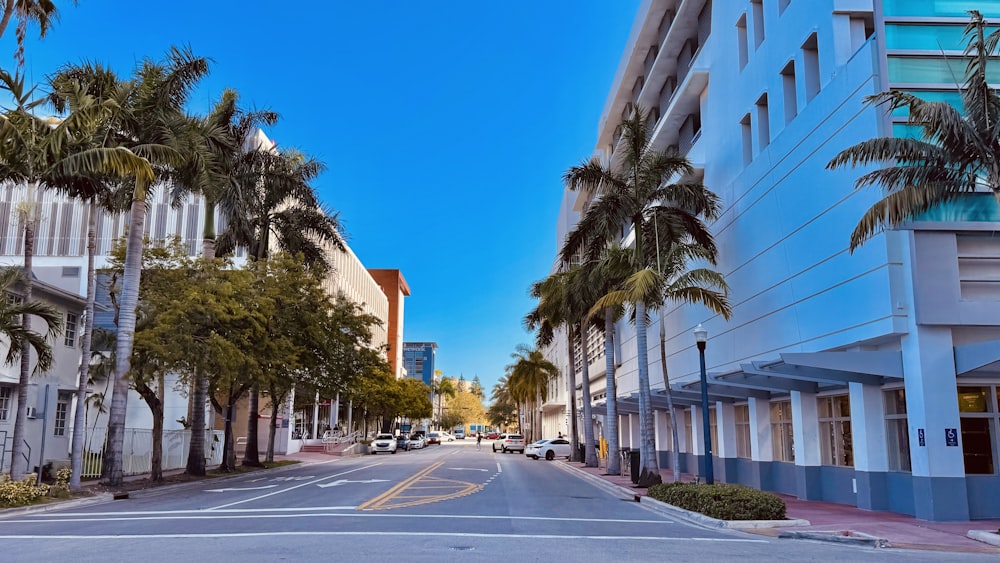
(137, 450)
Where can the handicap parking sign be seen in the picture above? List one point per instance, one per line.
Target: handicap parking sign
(951, 436)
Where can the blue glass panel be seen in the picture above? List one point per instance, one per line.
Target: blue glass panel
(940, 8)
(948, 96)
(934, 70)
(925, 37)
(970, 207)
(904, 130)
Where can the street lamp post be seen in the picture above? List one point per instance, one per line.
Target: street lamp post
(701, 337)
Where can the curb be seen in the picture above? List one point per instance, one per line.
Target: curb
(682, 514)
(985, 536)
(856, 538)
(55, 506)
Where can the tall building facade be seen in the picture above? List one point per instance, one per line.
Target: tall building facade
(869, 378)
(418, 360)
(396, 289)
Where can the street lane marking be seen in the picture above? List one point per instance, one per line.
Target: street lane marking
(339, 482)
(381, 534)
(240, 489)
(259, 513)
(466, 469)
(499, 469)
(294, 487)
(399, 487)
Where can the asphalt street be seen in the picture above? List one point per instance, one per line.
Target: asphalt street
(443, 503)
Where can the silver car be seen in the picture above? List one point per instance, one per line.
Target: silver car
(384, 443)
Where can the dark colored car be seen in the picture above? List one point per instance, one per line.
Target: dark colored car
(402, 442)
(433, 438)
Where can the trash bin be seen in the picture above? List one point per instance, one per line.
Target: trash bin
(582, 451)
(633, 465)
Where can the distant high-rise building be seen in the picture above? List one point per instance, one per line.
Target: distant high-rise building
(418, 359)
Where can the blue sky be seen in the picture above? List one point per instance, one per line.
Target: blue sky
(445, 127)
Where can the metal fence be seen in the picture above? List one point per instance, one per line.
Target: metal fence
(137, 450)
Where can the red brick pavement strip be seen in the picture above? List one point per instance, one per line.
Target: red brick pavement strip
(900, 530)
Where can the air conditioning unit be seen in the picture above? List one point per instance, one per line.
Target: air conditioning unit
(31, 412)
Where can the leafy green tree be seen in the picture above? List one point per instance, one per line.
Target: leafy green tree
(440, 388)
(19, 338)
(956, 156)
(476, 388)
(467, 408)
(501, 415)
(635, 190)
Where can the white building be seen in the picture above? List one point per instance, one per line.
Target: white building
(871, 378)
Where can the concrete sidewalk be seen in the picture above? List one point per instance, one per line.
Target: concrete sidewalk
(900, 530)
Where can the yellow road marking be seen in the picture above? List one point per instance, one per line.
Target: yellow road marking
(413, 484)
(388, 495)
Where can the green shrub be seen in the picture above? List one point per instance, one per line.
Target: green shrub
(723, 501)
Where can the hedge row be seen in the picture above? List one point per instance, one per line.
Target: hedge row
(723, 501)
(20, 493)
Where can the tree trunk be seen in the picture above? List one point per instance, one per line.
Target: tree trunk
(611, 424)
(251, 456)
(574, 437)
(588, 421)
(196, 450)
(155, 403)
(80, 416)
(675, 456)
(17, 455)
(112, 467)
(228, 449)
(649, 473)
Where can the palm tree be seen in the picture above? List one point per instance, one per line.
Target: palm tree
(38, 12)
(52, 153)
(276, 202)
(440, 387)
(637, 193)
(957, 156)
(75, 87)
(698, 286)
(528, 378)
(152, 126)
(21, 340)
(552, 311)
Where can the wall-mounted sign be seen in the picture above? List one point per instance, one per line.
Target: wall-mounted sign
(920, 437)
(951, 436)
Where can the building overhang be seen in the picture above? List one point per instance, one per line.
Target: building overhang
(980, 359)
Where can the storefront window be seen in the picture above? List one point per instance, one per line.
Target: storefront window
(897, 435)
(782, 444)
(978, 409)
(743, 431)
(836, 446)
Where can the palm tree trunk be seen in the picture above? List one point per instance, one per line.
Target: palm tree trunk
(649, 473)
(80, 416)
(17, 455)
(112, 466)
(675, 456)
(196, 449)
(574, 438)
(251, 456)
(611, 424)
(588, 421)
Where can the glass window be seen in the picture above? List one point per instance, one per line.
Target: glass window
(714, 431)
(743, 431)
(5, 394)
(69, 335)
(932, 8)
(951, 97)
(934, 70)
(687, 432)
(62, 409)
(925, 37)
(979, 419)
(974, 399)
(836, 446)
(897, 435)
(782, 443)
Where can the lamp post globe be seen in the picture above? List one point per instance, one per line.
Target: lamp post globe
(701, 338)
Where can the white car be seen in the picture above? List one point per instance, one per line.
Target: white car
(417, 442)
(384, 443)
(446, 436)
(549, 449)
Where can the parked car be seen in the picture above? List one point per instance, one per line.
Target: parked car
(509, 443)
(549, 449)
(383, 443)
(447, 436)
(417, 441)
(402, 442)
(492, 435)
(459, 433)
(433, 438)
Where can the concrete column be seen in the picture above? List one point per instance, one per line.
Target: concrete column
(725, 424)
(633, 428)
(350, 416)
(761, 450)
(871, 461)
(335, 412)
(938, 469)
(697, 432)
(315, 425)
(805, 432)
